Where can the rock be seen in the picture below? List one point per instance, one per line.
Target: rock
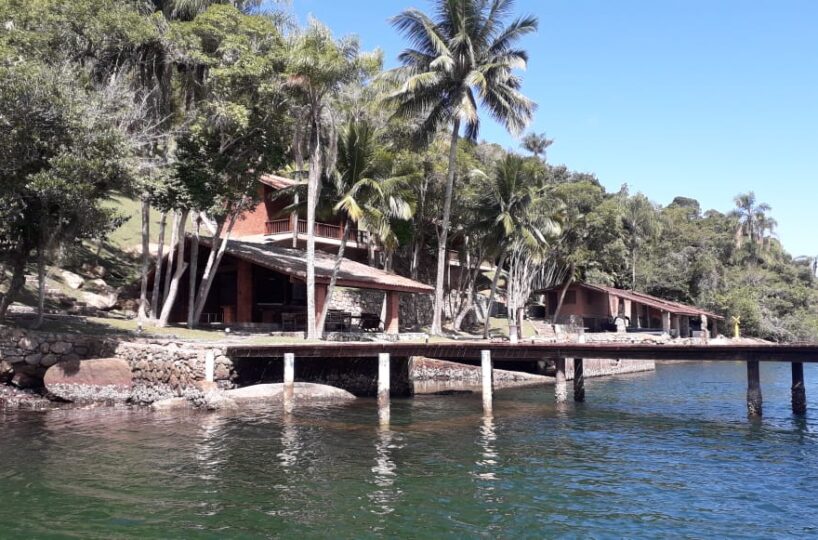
(28, 343)
(71, 279)
(6, 371)
(305, 393)
(90, 380)
(101, 301)
(24, 380)
(49, 360)
(34, 359)
(170, 404)
(61, 347)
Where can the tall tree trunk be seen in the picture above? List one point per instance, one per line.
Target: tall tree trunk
(217, 249)
(144, 309)
(194, 269)
(442, 259)
(633, 268)
(181, 266)
(312, 199)
(41, 275)
(339, 257)
(568, 280)
(18, 281)
(160, 260)
(493, 293)
(174, 243)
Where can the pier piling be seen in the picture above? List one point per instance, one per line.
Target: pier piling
(579, 380)
(383, 388)
(560, 388)
(486, 378)
(289, 369)
(754, 400)
(289, 381)
(799, 391)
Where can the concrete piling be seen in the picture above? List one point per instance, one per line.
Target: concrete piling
(289, 368)
(383, 388)
(560, 388)
(289, 381)
(486, 378)
(799, 391)
(754, 401)
(210, 365)
(579, 381)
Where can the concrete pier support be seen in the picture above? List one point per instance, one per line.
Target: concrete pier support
(486, 378)
(289, 381)
(210, 365)
(754, 400)
(799, 391)
(560, 388)
(579, 380)
(289, 369)
(383, 388)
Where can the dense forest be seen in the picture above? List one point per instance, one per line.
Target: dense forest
(183, 104)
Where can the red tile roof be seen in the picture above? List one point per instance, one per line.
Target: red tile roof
(675, 308)
(277, 182)
(292, 262)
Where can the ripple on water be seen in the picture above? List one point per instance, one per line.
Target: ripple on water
(668, 453)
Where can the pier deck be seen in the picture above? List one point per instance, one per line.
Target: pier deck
(504, 351)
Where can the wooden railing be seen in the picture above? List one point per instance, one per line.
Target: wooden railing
(322, 230)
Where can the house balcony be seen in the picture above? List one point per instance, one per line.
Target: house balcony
(324, 232)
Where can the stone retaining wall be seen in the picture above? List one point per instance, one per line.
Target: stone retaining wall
(170, 369)
(25, 355)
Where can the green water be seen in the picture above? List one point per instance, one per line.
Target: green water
(664, 454)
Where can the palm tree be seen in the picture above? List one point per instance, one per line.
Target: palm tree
(362, 197)
(748, 211)
(318, 66)
(507, 206)
(465, 54)
(537, 143)
(641, 222)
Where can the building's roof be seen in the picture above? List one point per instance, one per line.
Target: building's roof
(292, 262)
(276, 182)
(675, 308)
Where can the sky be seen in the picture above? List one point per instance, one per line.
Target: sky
(699, 98)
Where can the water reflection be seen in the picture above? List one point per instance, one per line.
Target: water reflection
(384, 497)
(291, 444)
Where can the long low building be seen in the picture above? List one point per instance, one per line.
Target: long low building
(600, 308)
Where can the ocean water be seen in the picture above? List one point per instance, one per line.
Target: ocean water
(664, 454)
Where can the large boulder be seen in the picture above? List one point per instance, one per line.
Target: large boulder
(101, 301)
(71, 279)
(101, 379)
(302, 392)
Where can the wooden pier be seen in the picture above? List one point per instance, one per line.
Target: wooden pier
(486, 353)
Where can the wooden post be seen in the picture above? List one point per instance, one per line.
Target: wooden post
(753, 388)
(383, 388)
(560, 389)
(486, 378)
(799, 391)
(579, 380)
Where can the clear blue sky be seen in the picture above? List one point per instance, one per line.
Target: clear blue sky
(701, 98)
